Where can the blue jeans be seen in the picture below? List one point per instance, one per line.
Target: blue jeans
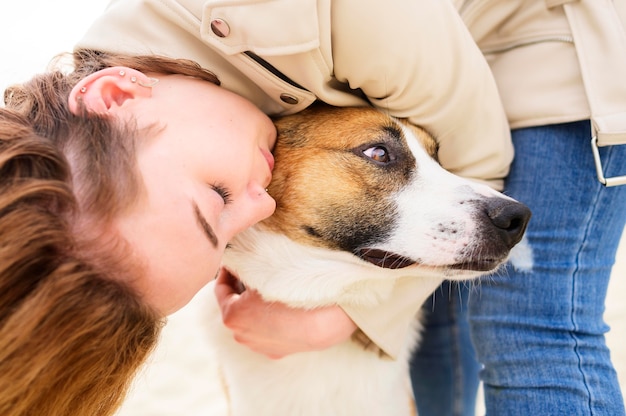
(444, 370)
(539, 331)
(537, 327)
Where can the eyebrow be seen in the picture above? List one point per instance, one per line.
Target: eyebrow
(204, 225)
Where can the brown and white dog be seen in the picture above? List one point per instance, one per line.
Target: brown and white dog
(361, 203)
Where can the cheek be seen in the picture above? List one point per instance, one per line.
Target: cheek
(173, 280)
(176, 257)
(224, 148)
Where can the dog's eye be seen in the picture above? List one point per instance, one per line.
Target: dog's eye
(378, 154)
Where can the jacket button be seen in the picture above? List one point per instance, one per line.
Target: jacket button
(288, 98)
(220, 28)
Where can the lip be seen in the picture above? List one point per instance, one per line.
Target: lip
(269, 158)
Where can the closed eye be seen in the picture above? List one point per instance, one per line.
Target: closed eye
(223, 192)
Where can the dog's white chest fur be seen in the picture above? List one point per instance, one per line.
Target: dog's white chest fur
(344, 381)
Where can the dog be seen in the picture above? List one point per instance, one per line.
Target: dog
(361, 203)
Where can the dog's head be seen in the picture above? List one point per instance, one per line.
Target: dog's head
(359, 181)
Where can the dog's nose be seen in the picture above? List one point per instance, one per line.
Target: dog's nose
(510, 219)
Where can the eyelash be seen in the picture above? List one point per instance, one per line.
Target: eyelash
(223, 192)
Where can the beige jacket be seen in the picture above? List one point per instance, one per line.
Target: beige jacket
(412, 58)
(556, 61)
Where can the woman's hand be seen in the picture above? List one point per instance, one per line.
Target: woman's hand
(274, 329)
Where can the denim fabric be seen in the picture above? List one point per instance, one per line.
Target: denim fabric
(444, 370)
(538, 328)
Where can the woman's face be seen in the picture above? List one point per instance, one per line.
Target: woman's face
(205, 169)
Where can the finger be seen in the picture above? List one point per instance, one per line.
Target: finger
(223, 289)
(232, 280)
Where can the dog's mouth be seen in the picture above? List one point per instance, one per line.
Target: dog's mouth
(484, 265)
(389, 260)
(385, 259)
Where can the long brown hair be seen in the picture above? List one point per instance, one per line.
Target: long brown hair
(72, 333)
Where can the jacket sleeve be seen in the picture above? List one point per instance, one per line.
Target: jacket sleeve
(389, 324)
(417, 60)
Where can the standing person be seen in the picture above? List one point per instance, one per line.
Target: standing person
(412, 59)
(538, 329)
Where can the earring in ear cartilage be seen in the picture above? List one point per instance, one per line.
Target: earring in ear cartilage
(83, 90)
(122, 73)
(151, 82)
(133, 79)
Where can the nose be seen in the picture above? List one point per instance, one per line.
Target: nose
(510, 219)
(250, 208)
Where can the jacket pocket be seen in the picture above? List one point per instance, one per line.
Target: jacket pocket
(263, 27)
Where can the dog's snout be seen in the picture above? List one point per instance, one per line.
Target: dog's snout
(510, 219)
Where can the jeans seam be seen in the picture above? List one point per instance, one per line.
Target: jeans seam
(457, 407)
(575, 291)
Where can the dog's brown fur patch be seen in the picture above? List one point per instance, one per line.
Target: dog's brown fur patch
(327, 148)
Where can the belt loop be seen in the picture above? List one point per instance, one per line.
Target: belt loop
(613, 181)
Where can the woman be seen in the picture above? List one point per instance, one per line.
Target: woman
(100, 172)
(574, 91)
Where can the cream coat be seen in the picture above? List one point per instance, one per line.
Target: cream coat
(411, 58)
(571, 53)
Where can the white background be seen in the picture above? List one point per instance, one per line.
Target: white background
(33, 31)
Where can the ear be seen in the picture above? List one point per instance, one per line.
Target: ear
(105, 91)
